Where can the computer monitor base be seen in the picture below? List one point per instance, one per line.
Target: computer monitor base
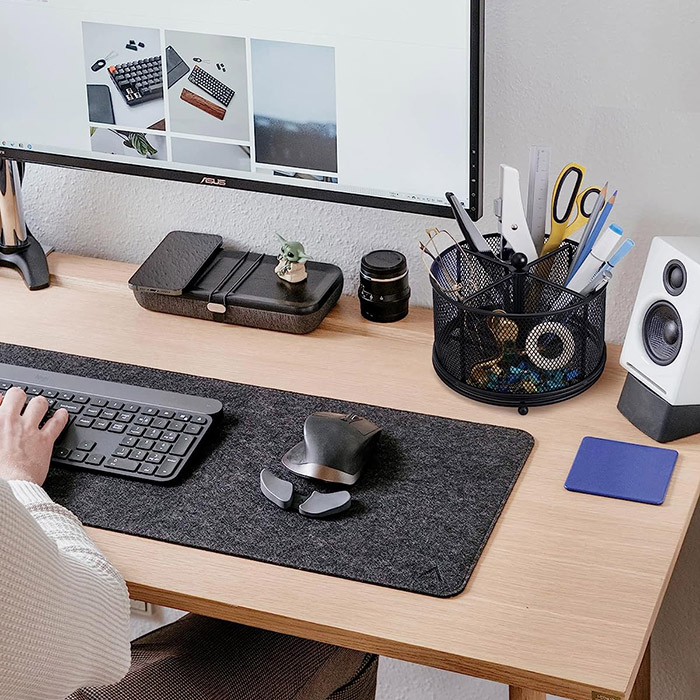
(30, 260)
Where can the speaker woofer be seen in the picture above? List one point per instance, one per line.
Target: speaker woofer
(662, 332)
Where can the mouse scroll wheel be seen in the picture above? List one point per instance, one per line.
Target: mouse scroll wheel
(352, 417)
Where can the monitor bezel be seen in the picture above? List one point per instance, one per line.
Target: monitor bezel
(476, 142)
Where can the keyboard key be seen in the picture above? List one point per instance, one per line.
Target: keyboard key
(162, 447)
(168, 436)
(77, 456)
(139, 455)
(65, 396)
(160, 423)
(95, 458)
(81, 398)
(115, 405)
(125, 417)
(193, 429)
(85, 422)
(132, 408)
(166, 413)
(99, 402)
(121, 451)
(184, 442)
(33, 391)
(152, 434)
(50, 393)
(61, 452)
(93, 412)
(176, 425)
(168, 466)
(155, 458)
(108, 414)
(123, 464)
(137, 430)
(117, 428)
(70, 407)
(143, 420)
(4, 386)
(183, 417)
(144, 444)
(129, 441)
(101, 425)
(200, 420)
(87, 445)
(147, 468)
(150, 411)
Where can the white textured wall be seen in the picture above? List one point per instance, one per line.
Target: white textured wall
(611, 84)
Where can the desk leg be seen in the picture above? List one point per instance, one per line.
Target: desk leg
(642, 686)
(524, 694)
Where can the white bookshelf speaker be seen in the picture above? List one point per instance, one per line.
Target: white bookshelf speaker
(661, 353)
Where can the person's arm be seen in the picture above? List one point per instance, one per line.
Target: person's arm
(64, 618)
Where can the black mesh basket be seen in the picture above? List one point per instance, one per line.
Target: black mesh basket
(513, 335)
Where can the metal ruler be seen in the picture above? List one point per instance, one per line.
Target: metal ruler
(538, 193)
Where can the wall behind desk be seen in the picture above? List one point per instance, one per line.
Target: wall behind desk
(611, 84)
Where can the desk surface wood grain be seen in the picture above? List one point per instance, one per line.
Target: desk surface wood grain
(565, 595)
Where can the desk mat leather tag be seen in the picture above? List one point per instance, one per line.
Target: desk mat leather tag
(422, 511)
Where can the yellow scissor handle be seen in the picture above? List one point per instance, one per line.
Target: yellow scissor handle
(584, 208)
(562, 214)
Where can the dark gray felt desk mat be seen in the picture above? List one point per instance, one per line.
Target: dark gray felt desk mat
(422, 511)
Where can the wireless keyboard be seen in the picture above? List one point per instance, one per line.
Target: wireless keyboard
(117, 428)
(211, 85)
(139, 81)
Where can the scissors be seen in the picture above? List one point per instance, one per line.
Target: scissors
(578, 201)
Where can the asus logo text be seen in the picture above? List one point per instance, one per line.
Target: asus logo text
(213, 181)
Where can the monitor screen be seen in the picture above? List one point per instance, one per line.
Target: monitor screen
(374, 102)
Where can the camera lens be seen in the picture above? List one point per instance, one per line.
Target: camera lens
(384, 290)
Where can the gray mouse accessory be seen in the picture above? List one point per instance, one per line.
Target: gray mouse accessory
(279, 491)
(317, 505)
(335, 447)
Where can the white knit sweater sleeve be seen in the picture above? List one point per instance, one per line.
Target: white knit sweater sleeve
(64, 609)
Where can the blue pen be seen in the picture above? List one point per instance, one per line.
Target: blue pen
(588, 244)
(605, 273)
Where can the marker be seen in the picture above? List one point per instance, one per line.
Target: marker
(605, 273)
(602, 249)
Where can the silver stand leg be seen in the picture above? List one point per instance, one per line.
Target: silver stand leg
(18, 248)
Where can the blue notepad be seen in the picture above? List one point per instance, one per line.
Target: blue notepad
(622, 470)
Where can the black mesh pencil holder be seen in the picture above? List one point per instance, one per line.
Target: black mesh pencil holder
(509, 333)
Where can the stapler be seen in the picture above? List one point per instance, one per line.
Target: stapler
(509, 210)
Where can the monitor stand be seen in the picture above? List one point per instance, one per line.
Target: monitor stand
(18, 248)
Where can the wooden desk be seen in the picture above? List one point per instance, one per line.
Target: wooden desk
(563, 599)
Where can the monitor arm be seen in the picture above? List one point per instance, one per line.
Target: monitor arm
(18, 248)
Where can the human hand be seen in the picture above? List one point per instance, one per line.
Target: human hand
(25, 450)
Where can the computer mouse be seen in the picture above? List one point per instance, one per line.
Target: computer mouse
(335, 448)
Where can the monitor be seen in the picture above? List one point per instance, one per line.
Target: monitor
(370, 102)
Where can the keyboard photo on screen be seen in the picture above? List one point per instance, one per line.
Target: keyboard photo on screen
(120, 429)
(211, 85)
(139, 81)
